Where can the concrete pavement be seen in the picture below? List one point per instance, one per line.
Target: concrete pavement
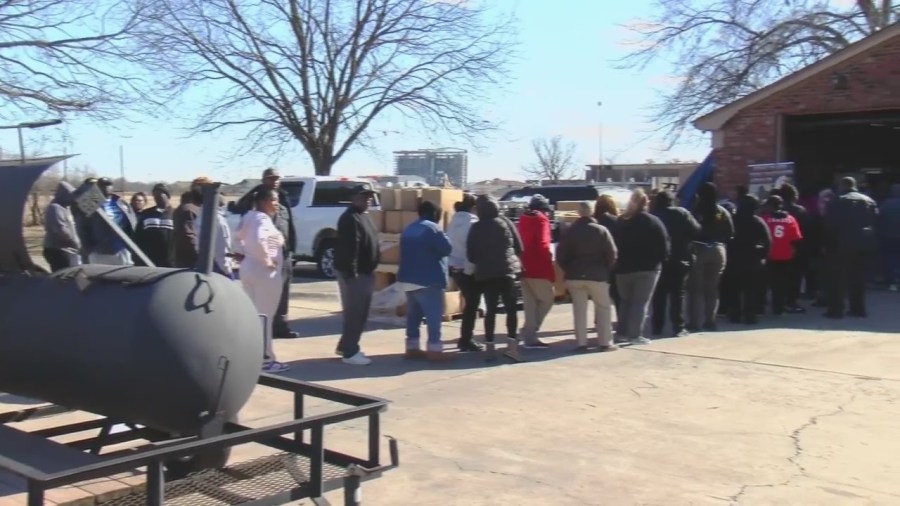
(799, 410)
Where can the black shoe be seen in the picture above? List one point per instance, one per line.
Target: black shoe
(580, 349)
(465, 346)
(857, 314)
(290, 335)
(833, 316)
(750, 321)
(537, 344)
(796, 310)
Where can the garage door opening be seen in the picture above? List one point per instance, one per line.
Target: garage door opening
(824, 147)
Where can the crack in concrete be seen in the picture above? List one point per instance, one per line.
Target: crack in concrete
(795, 458)
(517, 476)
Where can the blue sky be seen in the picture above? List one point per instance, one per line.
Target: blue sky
(566, 65)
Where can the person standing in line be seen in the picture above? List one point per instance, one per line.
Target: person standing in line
(785, 233)
(422, 274)
(284, 220)
(261, 268)
(851, 245)
(716, 229)
(606, 213)
(463, 271)
(222, 246)
(538, 274)
(356, 256)
(184, 219)
(825, 198)
(155, 226)
(889, 235)
(62, 246)
(728, 289)
(106, 247)
(495, 248)
(800, 262)
(747, 255)
(672, 286)
(587, 254)
(643, 246)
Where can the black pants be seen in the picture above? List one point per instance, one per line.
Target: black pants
(670, 291)
(847, 279)
(57, 258)
(471, 292)
(781, 279)
(799, 266)
(729, 289)
(279, 324)
(495, 290)
(748, 282)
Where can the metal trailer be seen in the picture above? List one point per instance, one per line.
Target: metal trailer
(302, 468)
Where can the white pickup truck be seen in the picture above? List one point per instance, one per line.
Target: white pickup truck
(316, 204)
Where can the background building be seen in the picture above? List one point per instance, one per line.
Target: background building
(433, 164)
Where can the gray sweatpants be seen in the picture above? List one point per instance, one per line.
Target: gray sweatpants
(703, 285)
(635, 292)
(356, 299)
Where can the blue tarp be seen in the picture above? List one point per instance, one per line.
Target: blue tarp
(702, 174)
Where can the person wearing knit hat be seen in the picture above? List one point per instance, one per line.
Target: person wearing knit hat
(155, 228)
(184, 219)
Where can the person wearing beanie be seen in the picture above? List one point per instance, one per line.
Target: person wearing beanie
(155, 226)
(538, 274)
(785, 233)
(802, 256)
(716, 230)
(184, 233)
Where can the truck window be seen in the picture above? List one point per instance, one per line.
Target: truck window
(293, 190)
(334, 193)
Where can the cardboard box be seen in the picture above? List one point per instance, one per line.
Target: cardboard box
(390, 199)
(393, 222)
(446, 217)
(390, 253)
(377, 218)
(408, 217)
(443, 198)
(384, 280)
(452, 303)
(410, 198)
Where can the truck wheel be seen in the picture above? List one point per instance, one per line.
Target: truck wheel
(325, 259)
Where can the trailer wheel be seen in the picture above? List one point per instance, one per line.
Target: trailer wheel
(177, 469)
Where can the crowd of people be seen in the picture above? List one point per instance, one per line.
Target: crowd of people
(655, 260)
(738, 258)
(169, 237)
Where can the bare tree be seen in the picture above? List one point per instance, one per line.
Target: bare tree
(554, 159)
(63, 56)
(320, 72)
(722, 50)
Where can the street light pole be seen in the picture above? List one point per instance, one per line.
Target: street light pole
(29, 124)
(600, 142)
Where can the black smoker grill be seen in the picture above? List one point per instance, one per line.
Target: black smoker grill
(302, 468)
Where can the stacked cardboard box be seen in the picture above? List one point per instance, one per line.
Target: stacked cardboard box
(399, 208)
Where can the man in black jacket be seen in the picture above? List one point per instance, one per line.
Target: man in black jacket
(850, 245)
(683, 228)
(356, 255)
(284, 222)
(154, 229)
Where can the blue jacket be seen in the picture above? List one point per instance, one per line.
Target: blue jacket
(424, 248)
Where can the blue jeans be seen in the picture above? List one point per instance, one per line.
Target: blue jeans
(427, 303)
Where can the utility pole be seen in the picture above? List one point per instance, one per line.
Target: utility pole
(122, 166)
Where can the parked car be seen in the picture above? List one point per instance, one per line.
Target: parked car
(316, 204)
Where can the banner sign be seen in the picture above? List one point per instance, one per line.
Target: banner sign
(769, 176)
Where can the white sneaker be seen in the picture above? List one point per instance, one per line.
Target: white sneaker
(359, 359)
(639, 341)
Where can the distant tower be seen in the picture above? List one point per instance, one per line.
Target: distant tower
(434, 165)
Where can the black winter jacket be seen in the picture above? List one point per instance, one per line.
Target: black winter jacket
(493, 245)
(850, 222)
(357, 250)
(643, 243)
(683, 229)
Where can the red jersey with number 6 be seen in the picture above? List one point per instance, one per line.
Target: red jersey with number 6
(785, 232)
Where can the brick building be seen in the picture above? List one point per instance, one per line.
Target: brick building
(840, 115)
